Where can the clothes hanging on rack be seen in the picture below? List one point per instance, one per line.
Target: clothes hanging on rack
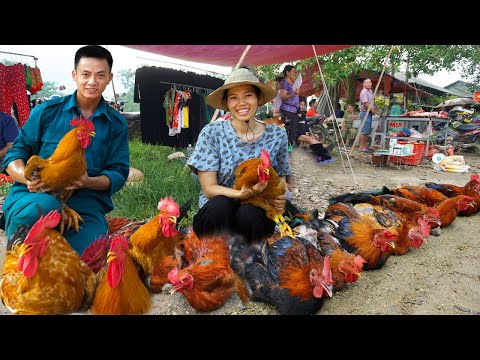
(153, 83)
(176, 110)
(13, 89)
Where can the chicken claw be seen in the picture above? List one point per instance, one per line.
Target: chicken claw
(69, 218)
(285, 229)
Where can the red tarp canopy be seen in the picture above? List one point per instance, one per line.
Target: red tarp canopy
(228, 55)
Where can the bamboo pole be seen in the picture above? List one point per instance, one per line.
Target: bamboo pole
(370, 104)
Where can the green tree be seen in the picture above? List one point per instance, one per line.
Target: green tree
(49, 88)
(345, 65)
(127, 79)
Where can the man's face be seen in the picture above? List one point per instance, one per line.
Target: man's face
(92, 76)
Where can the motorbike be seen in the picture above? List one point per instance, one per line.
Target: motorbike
(319, 128)
(118, 105)
(462, 137)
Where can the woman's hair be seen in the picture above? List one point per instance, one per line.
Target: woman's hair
(310, 103)
(257, 90)
(287, 69)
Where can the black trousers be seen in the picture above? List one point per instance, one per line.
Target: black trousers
(292, 122)
(319, 150)
(223, 214)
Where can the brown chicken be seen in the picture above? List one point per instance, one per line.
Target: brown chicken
(43, 274)
(471, 188)
(422, 194)
(120, 290)
(411, 233)
(360, 235)
(201, 272)
(346, 267)
(66, 165)
(290, 274)
(252, 171)
(411, 210)
(156, 238)
(451, 207)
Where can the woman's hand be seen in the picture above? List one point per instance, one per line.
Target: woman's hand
(246, 192)
(279, 202)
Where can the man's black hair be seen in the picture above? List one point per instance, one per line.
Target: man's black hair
(95, 51)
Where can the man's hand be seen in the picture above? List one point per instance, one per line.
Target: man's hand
(80, 183)
(37, 186)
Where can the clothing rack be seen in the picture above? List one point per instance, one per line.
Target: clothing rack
(12, 53)
(190, 88)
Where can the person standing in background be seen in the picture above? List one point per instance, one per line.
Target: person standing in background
(8, 133)
(290, 103)
(366, 100)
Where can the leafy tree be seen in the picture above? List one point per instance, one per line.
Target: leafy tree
(49, 88)
(127, 79)
(345, 65)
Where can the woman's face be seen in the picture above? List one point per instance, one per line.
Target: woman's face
(292, 74)
(350, 108)
(242, 102)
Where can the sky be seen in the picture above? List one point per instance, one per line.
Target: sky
(56, 64)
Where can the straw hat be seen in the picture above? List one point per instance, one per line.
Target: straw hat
(239, 77)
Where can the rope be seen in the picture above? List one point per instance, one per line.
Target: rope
(336, 129)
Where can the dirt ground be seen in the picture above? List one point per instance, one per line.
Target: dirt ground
(440, 278)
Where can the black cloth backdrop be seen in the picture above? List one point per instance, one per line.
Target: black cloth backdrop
(150, 93)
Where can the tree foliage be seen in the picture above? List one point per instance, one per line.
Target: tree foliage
(127, 79)
(49, 88)
(345, 65)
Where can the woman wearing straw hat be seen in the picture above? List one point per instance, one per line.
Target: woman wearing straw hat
(223, 145)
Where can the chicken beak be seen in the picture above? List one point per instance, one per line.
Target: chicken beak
(391, 244)
(110, 256)
(24, 249)
(92, 133)
(174, 289)
(267, 172)
(173, 219)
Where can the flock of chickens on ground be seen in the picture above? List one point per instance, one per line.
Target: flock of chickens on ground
(306, 261)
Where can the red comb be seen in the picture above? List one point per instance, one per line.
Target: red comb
(83, 122)
(48, 221)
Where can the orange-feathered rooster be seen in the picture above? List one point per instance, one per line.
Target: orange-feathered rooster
(411, 233)
(422, 194)
(290, 274)
(346, 267)
(120, 290)
(471, 188)
(43, 274)
(202, 272)
(156, 238)
(66, 165)
(451, 207)
(252, 171)
(360, 235)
